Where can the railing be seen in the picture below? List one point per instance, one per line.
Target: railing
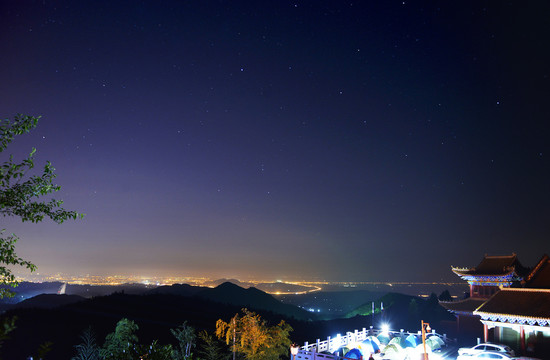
(314, 351)
(312, 355)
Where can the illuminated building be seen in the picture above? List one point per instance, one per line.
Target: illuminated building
(521, 317)
(511, 303)
(485, 280)
(492, 273)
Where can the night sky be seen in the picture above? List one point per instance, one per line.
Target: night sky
(352, 141)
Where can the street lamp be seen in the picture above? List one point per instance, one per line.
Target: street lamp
(294, 348)
(425, 327)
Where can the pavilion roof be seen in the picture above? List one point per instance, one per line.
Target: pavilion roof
(517, 304)
(466, 306)
(539, 278)
(494, 266)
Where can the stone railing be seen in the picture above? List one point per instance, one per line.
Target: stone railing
(314, 351)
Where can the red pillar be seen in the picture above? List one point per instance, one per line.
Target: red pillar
(485, 333)
(522, 339)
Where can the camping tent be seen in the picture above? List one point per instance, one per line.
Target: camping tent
(412, 341)
(354, 354)
(369, 346)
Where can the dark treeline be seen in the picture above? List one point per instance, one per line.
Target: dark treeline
(156, 314)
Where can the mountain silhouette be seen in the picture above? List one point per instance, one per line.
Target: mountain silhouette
(48, 301)
(218, 282)
(252, 298)
(177, 289)
(155, 315)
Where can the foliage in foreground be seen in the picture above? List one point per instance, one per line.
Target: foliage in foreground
(88, 349)
(254, 339)
(123, 344)
(211, 349)
(20, 196)
(185, 335)
(251, 336)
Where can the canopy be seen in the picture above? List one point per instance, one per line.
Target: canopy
(341, 351)
(433, 344)
(393, 351)
(383, 338)
(375, 339)
(412, 341)
(399, 342)
(353, 354)
(370, 346)
(437, 339)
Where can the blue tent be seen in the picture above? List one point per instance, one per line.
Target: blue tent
(341, 351)
(399, 341)
(354, 354)
(412, 341)
(370, 346)
(437, 339)
(433, 343)
(383, 338)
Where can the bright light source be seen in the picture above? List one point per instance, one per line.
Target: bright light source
(294, 349)
(385, 328)
(338, 340)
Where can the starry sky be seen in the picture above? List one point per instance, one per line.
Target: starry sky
(337, 140)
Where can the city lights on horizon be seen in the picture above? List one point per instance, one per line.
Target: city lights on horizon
(117, 279)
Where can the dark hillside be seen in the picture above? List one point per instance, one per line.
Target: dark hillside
(48, 301)
(405, 310)
(155, 315)
(177, 289)
(252, 298)
(331, 304)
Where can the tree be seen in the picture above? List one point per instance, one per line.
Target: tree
(253, 338)
(9, 257)
(210, 348)
(433, 301)
(88, 349)
(413, 310)
(121, 344)
(445, 296)
(42, 350)
(7, 326)
(20, 195)
(185, 335)
(155, 352)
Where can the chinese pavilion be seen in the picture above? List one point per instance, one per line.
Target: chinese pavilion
(509, 301)
(521, 317)
(492, 273)
(486, 279)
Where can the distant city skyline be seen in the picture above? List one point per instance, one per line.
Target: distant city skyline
(342, 141)
(176, 279)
